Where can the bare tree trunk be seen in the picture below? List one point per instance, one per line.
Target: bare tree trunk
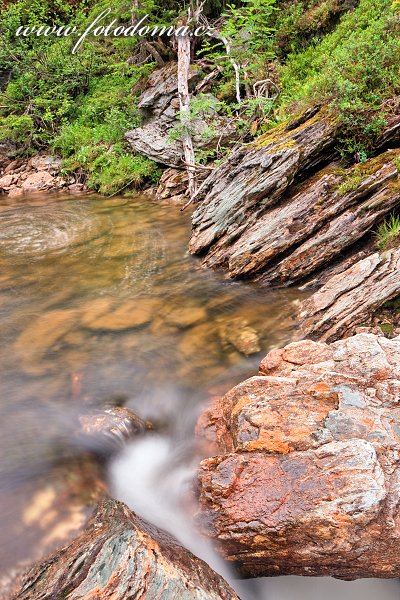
(184, 46)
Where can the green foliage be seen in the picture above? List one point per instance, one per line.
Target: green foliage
(79, 104)
(388, 231)
(16, 128)
(251, 42)
(202, 109)
(341, 53)
(112, 172)
(92, 142)
(354, 69)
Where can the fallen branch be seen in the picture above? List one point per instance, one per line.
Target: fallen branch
(200, 167)
(201, 188)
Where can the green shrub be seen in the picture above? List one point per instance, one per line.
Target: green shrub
(16, 128)
(112, 172)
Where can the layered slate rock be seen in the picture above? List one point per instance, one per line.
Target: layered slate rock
(120, 556)
(283, 207)
(348, 298)
(305, 479)
(159, 104)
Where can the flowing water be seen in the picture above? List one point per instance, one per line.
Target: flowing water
(101, 305)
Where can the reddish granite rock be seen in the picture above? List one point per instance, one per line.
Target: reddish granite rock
(306, 479)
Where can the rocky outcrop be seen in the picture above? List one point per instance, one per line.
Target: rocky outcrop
(281, 209)
(349, 298)
(160, 107)
(121, 556)
(305, 477)
(39, 173)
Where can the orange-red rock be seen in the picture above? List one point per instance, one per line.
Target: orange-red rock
(306, 479)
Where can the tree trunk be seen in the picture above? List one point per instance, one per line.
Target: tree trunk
(184, 100)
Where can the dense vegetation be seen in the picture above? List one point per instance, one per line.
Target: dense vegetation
(342, 53)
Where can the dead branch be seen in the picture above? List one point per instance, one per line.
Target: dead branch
(154, 52)
(184, 47)
(263, 88)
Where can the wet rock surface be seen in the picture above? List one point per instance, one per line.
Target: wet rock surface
(349, 298)
(121, 556)
(305, 480)
(105, 432)
(283, 208)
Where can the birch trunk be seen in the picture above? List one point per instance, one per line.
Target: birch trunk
(184, 48)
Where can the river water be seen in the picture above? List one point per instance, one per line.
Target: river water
(101, 305)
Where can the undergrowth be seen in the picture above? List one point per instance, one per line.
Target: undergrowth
(344, 54)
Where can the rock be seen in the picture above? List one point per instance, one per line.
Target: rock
(41, 180)
(238, 333)
(253, 180)
(132, 313)
(160, 105)
(39, 173)
(106, 431)
(49, 163)
(38, 338)
(77, 188)
(7, 181)
(15, 192)
(185, 316)
(14, 164)
(348, 298)
(163, 87)
(306, 478)
(265, 218)
(173, 186)
(120, 556)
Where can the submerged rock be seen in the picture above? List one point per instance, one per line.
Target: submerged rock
(120, 556)
(306, 479)
(107, 431)
(238, 333)
(130, 314)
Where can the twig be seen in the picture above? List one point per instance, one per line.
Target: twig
(193, 198)
(200, 167)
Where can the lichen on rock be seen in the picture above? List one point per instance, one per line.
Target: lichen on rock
(305, 480)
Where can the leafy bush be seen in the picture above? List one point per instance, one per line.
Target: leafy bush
(17, 129)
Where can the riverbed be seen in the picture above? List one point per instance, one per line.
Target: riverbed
(101, 305)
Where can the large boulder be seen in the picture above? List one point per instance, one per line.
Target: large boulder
(120, 556)
(305, 479)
